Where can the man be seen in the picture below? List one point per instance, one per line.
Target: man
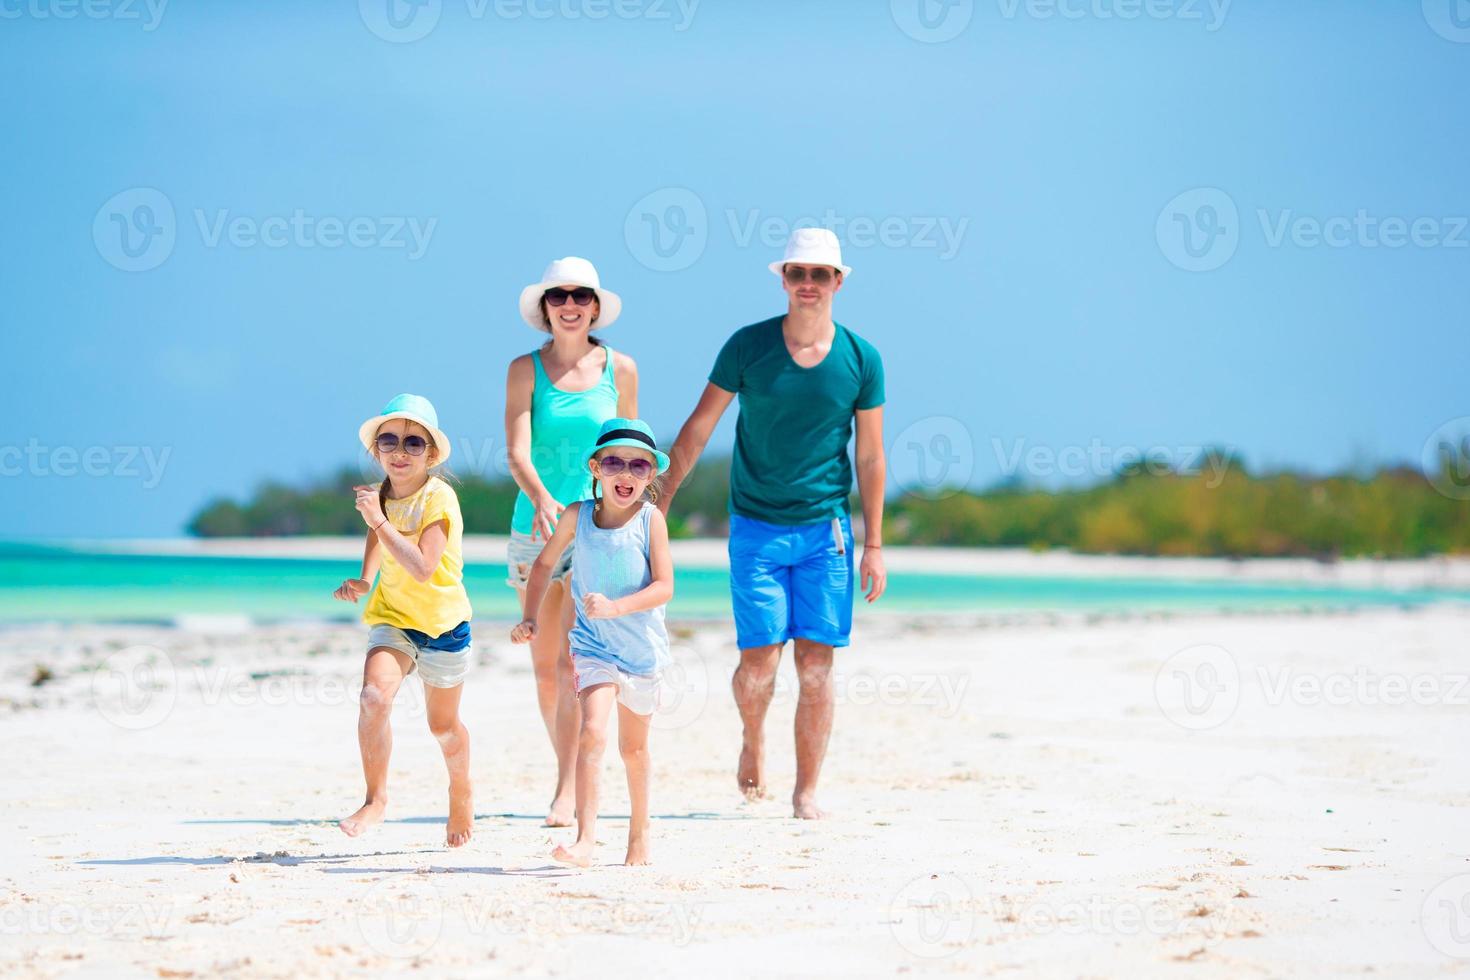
(803, 382)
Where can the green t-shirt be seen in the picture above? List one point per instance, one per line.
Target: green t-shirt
(791, 464)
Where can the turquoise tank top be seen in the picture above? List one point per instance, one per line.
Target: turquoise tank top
(614, 561)
(564, 425)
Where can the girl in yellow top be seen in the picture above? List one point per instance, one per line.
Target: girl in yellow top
(419, 611)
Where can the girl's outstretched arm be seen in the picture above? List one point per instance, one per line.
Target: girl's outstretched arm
(372, 558)
(540, 577)
(660, 565)
(355, 588)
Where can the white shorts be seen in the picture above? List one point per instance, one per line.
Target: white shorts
(639, 693)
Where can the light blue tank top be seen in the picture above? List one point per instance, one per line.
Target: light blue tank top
(564, 425)
(614, 561)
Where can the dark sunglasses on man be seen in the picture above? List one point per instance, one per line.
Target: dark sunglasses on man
(798, 274)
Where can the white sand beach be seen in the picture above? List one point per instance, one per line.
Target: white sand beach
(1206, 796)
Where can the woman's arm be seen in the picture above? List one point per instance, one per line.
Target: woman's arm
(540, 578)
(657, 592)
(520, 382)
(625, 373)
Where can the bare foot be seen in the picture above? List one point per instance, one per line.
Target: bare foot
(579, 855)
(637, 851)
(562, 813)
(368, 816)
(461, 815)
(805, 808)
(749, 772)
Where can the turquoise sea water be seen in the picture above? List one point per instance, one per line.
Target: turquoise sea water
(54, 584)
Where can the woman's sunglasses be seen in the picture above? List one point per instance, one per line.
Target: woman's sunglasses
(413, 445)
(796, 274)
(582, 296)
(638, 469)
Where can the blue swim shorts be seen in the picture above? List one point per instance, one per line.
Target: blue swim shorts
(791, 582)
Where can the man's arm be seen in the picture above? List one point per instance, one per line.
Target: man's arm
(692, 439)
(872, 475)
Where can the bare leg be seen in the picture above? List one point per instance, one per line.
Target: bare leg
(547, 651)
(454, 740)
(813, 724)
(568, 724)
(382, 673)
(633, 745)
(754, 685)
(597, 702)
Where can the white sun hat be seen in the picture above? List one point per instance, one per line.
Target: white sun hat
(813, 246)
(574, 272)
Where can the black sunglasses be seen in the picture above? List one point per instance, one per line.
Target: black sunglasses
(796, 274)
(638, 469)
(582, 296)
(388, 442)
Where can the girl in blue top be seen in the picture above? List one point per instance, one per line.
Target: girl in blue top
(556, 399)
(622, 576)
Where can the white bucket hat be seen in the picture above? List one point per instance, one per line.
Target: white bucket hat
(813, 246)
(569, 271)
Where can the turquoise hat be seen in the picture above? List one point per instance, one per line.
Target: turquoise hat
(627, 432)
(415, 408)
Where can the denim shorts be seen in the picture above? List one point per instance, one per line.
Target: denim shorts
(442, 661)
(522, 551)
(791, 582)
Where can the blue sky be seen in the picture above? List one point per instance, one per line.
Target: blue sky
(1014, 200)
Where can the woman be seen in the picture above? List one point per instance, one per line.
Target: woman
(556, 399)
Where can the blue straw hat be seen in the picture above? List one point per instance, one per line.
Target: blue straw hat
(415, 408)
(627, 432)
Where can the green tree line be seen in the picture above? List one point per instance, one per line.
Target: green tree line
(1394, 512)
